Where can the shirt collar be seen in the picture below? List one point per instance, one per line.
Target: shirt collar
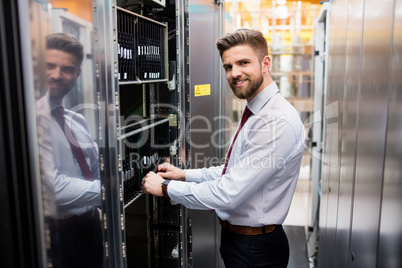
(259, 101)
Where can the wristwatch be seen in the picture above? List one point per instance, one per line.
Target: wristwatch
(164, 186)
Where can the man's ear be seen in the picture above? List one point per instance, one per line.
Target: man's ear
(79, 72)
(266, 64)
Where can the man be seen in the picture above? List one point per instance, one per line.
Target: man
(70, 162)
(252, 192)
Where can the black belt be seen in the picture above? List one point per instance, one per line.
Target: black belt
(247, 230)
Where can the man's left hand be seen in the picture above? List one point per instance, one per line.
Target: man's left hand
(152, 184)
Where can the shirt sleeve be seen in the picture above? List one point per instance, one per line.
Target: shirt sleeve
(203, 174)
(73, 193)
(265, 151)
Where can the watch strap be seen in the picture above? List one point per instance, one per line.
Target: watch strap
(164, 188)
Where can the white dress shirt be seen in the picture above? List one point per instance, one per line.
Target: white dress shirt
(61, 174)
(259, 183)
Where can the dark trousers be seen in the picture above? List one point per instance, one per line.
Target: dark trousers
(76, 241)
(265, 250)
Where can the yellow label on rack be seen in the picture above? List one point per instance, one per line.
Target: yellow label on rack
(202, 90)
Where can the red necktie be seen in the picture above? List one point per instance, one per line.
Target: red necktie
(246, 114)
(58, 113)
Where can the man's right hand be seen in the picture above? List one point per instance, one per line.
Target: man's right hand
(168, 171)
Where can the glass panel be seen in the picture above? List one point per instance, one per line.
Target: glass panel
(67, 123)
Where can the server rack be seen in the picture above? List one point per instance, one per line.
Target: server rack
(137, 93)
(152, 69)
(361, 182)
(142, 132)
(21, 226)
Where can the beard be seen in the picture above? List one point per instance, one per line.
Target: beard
(58, 89)
(249, 90)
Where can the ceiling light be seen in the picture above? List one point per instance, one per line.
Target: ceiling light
(282, 12)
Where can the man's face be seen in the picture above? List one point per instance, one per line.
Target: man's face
(243, 71)
(62, 71)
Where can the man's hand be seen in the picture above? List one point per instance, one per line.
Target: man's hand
(171, 172)
(152, 184)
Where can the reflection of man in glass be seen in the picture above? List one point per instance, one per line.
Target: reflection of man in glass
(75, 227)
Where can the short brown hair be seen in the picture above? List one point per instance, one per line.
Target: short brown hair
(250, 37)
(66, 43)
